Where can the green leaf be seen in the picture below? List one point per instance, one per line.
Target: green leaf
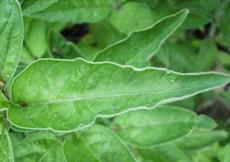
(139, 47)
(70, 94)
(75, 11)
(149, 128)
(206, 154)
(132, 16)
(97, 144)
(200, 139)
(26, 57)
(64, 48)
(184, 58)
(224, 21)
(176, 56)
(207, 55)
(224, 155)
(42, 146)
(224, 59)
(31, 7)
(11, 37)
(6, 151)
(109, 35)
(164, 153)
(36, 39)
(226, 97)
(4, 103)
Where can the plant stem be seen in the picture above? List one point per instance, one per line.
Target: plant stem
(2, 85)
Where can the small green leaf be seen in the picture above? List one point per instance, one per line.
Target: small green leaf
(97, 144)
(200, 138)
(224, 21)
(69, 94)
(139, 47)
(64, 48)
(148, 128)
(6, 151)
(164, 153)
(75, 11)
(109, 35)
(132, 16)
(11, 37)
(176, 56)
(40, 146)
(184, 58)
(224, 155)
(224, 59)
(31, 7)
(4, 103)
(36, 39)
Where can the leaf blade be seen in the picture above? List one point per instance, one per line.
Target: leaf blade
(75, 11)
(6, 150)
(11, 37)
(78, 86)
(139, 47)
(150, 128)
(41, 146)
(102, 146)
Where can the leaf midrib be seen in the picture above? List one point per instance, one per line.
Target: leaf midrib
(91, 97)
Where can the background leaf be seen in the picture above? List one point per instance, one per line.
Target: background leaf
(75, 11)
(132, 16)
(41, 146)
(97, 144)
(6, 151)
(138, 47)
(158, 126)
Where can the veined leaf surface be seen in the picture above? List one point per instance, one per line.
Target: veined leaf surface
(139, 47)
(149, 128)
(75, 11)
(41, 146)
(11, 37)
(6, 151)
(68, 95)
(97, 144)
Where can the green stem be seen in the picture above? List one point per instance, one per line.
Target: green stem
(2, 85)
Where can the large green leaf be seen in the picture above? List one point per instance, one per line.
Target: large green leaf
(70, 94)
(42, 146)
(6, 151)
(148, 128)
(97, 144)
(138, 47)
(75, 11)
(11, 37)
